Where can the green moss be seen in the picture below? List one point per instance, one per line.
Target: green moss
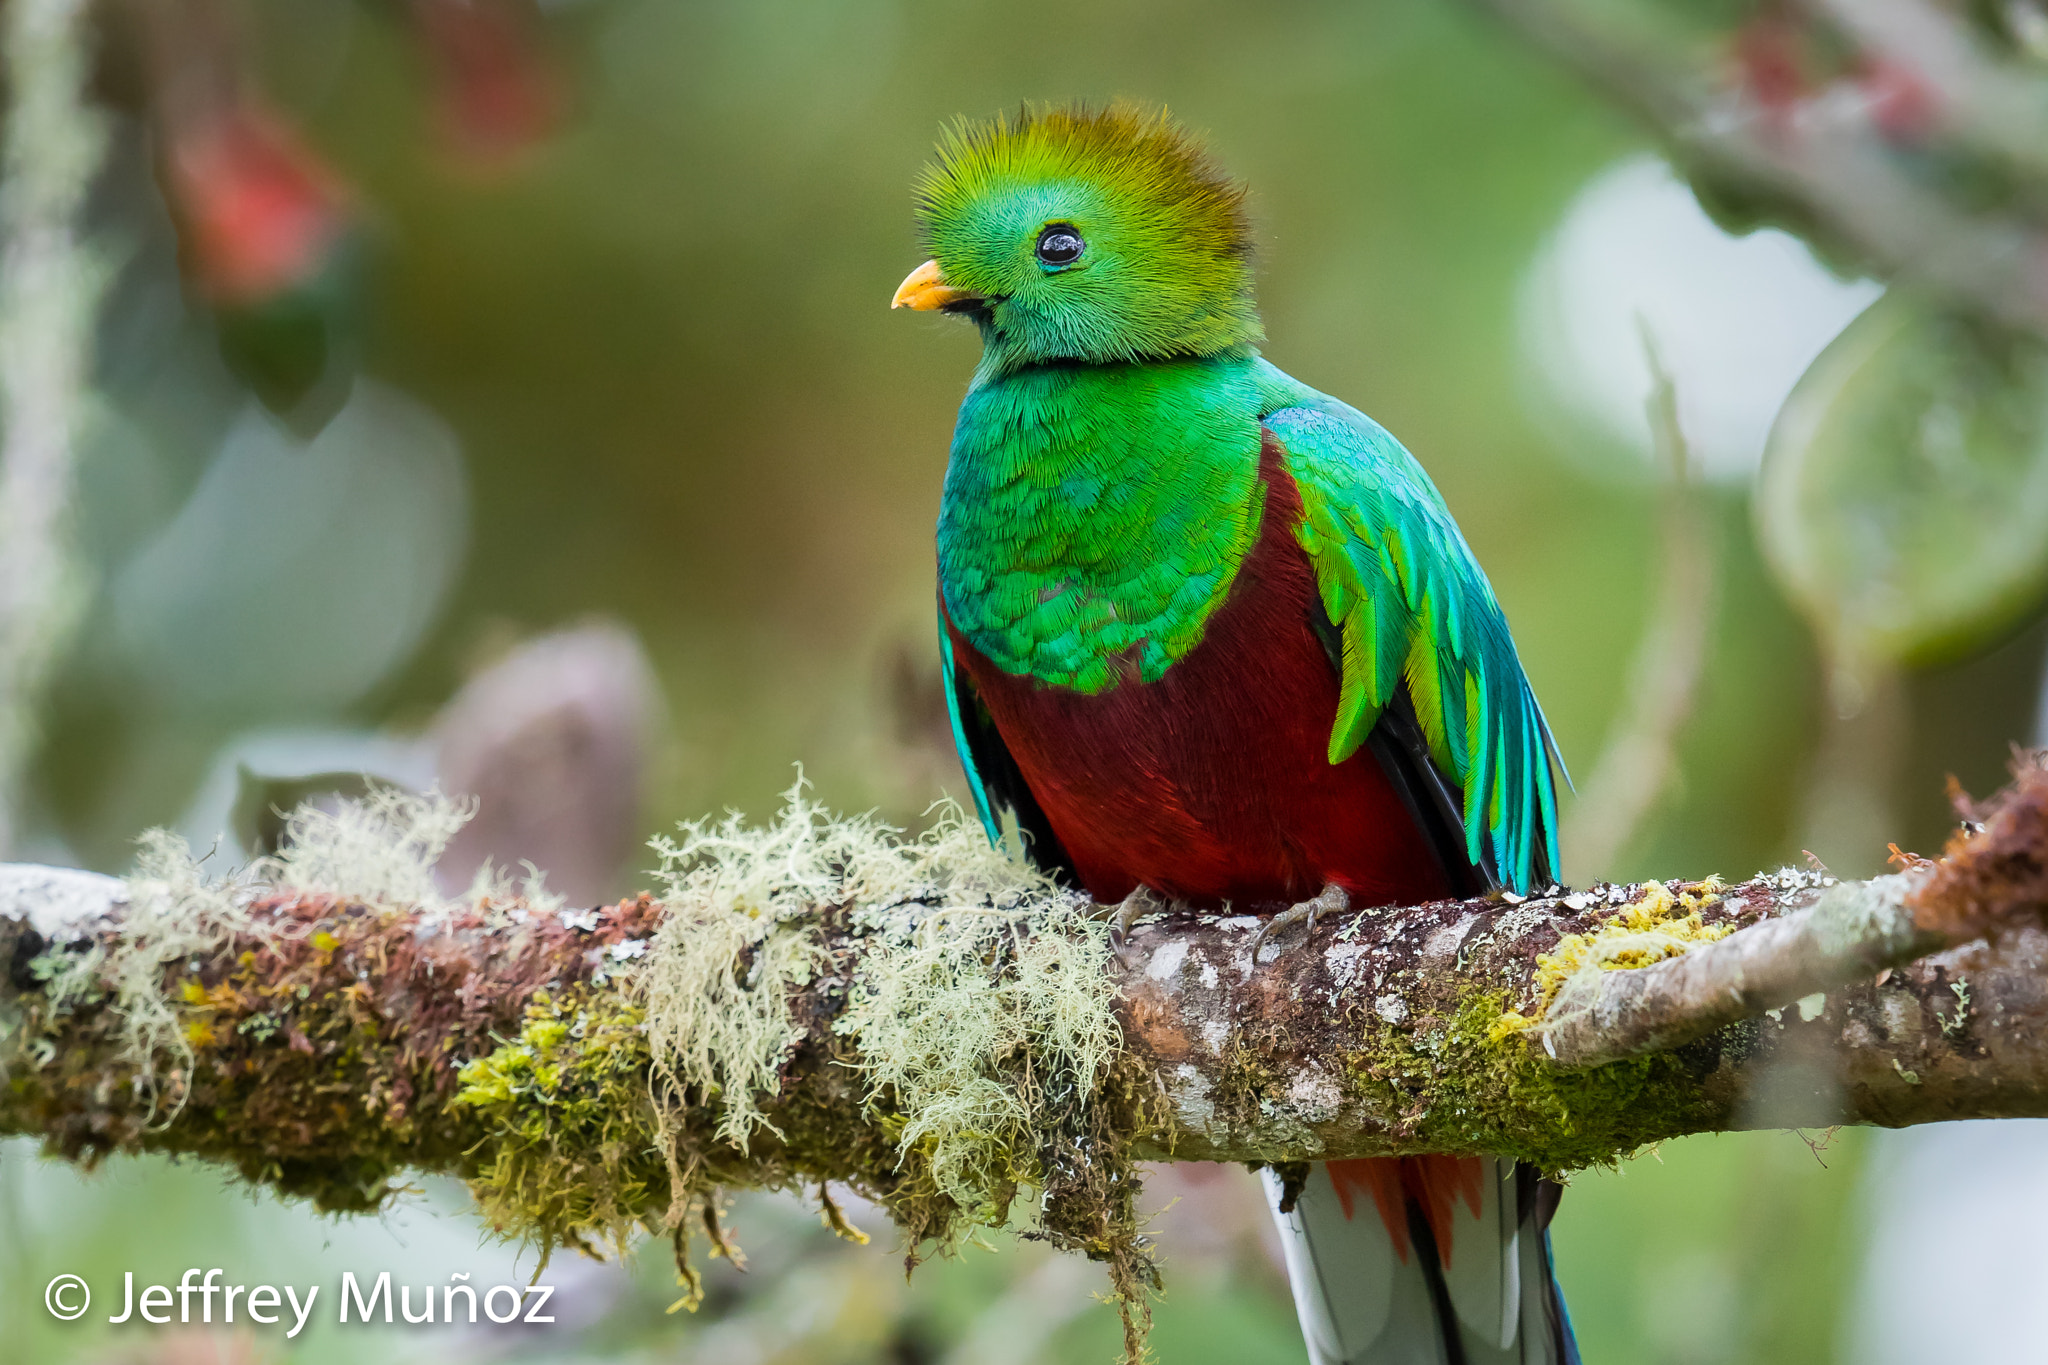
(1473, 1082)
(571, 1154)
(1494, 1093)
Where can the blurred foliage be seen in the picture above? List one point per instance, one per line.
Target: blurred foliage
(653, 321)
(1905, 491)
(1750, 1256)
(1906, 488)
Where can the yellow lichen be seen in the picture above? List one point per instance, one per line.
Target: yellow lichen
(1663, 922)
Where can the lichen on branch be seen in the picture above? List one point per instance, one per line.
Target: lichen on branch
(954, 1036)
(817, 1000)
(963, 995)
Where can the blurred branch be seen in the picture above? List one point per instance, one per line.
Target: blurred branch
(328, 1041)
(49, 287)
(1888, 132)
(1637, 764)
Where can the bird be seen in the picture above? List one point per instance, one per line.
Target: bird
(1209, 638)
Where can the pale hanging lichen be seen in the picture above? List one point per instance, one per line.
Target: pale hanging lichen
(174, 912)
(381, 849)
(738, 938)
(741, 935)
(977, 1013)
(972, 1022)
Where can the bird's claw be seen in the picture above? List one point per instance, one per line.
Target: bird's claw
(1141, 902)
(1333, 900)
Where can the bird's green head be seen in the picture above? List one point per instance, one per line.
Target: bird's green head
(1093, 235)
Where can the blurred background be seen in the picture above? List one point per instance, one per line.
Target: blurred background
(504, 394)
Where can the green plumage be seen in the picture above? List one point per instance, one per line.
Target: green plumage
(1094, 512)
(1168, 267)
(1103, 487)
(1413, 605)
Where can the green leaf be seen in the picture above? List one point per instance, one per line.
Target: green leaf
(1903, 502)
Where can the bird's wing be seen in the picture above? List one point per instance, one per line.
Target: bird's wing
(1413, 607)
(998, 785)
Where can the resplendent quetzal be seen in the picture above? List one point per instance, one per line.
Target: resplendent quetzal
(1210, 635)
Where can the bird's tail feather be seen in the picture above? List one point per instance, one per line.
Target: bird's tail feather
(1423, 1261)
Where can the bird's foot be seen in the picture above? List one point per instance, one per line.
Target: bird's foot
(1334, 900)
(1141, 902)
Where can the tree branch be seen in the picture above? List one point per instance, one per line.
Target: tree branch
(941, 1028)
(328, 1040)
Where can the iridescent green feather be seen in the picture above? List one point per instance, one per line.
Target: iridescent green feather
(1094, 516)
(1412, 604)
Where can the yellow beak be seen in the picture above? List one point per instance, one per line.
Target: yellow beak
(926, 290)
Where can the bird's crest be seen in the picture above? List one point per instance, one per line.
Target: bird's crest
(1139, 153)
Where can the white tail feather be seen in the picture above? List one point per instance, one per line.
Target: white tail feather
(1483, 1272)
(1361, 1302)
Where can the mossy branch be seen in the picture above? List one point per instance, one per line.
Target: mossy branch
(1570, 1029)
(958, 1039)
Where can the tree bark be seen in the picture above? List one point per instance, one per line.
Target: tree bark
(325, 1046)
(1357, 1047)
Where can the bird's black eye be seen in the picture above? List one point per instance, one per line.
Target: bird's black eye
(1059, 245)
